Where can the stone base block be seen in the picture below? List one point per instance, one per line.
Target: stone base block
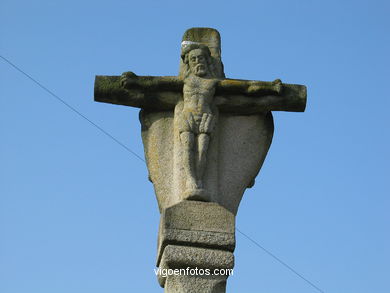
(191, 284)
(194, 269)
(196, 224)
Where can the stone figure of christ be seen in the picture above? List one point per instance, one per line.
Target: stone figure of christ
(199, 115)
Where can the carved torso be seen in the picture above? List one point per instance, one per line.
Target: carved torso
(198, 95)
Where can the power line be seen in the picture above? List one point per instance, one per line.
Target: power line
(140, 158)
(279, 260)
(72, 108)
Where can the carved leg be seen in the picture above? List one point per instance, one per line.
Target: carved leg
(203, 145)
(188, 142)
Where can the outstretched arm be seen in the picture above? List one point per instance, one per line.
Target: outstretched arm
(249, 87)
(149, 92)
(129, 80)
(290, 97)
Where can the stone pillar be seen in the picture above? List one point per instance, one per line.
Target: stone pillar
(194, 269)
(195, 245)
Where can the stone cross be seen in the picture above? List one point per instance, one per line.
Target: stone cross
(205, 139)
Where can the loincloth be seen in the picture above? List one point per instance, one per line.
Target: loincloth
(196, 123)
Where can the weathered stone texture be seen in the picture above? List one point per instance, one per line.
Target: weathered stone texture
(205, 138)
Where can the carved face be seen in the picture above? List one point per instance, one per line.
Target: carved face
(197, 61)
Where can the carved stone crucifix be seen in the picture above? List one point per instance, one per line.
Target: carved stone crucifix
(205, 139)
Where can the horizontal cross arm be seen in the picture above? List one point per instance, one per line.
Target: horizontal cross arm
(110, 89)
(291, 98)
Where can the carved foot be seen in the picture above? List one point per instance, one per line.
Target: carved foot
(191, 184)
(197, 194)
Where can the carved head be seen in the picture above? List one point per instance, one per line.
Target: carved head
(197, 60)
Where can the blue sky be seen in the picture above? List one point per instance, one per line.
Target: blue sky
(77, 213)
